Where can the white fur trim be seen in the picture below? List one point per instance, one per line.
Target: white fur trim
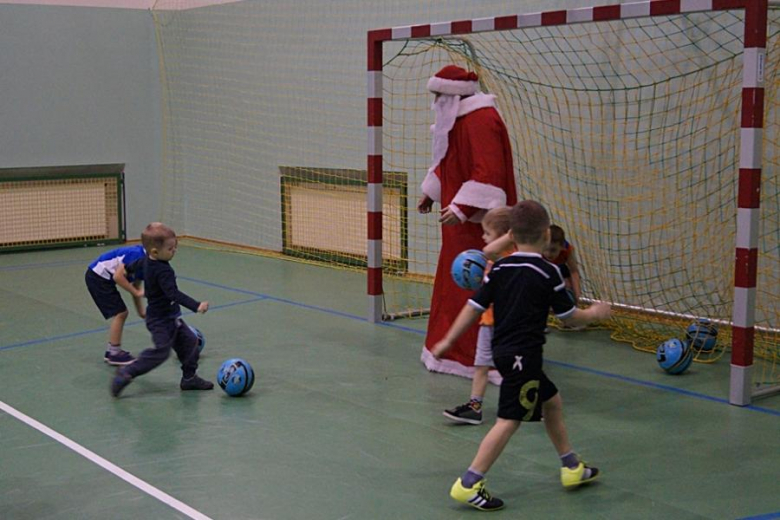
(452, 87)
(455, 209)
(446, 109)
(431, 186)
(446, 116)
(475, 102)
(480, 195)
(448, 366)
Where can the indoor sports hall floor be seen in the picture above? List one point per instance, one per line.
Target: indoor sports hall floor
(344, 422)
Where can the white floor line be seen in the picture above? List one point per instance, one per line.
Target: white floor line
(103, 463)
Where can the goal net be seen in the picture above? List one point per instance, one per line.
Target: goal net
(631, 130)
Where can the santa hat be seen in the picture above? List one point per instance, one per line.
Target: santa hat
(454, 81)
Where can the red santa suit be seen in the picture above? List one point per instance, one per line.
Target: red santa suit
(472, 172)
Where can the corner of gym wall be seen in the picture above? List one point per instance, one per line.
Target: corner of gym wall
(80, 85)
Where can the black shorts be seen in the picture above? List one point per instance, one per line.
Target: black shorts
(105, 295)
(524, 387)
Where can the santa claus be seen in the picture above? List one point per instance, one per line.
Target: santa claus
(471, 173)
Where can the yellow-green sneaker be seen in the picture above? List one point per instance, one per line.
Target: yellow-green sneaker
(476, 496)
(582, 474)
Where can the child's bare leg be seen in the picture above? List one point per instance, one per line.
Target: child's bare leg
(573, 471)
(480, 381)
(470, 487)
(116, 327)
(493, 444)
(552, 410)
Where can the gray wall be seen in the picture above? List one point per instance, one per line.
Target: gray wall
(81, 86)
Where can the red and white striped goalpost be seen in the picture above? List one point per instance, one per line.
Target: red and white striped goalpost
(750, 154)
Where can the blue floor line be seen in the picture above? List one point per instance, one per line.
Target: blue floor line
(261, 296)
(104, 329)
(768, 516)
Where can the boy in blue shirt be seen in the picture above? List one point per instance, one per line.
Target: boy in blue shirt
(102, 277)
(521, 287)
(163, 314)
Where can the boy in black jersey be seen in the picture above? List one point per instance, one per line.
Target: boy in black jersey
(522, 288)
(163, 314)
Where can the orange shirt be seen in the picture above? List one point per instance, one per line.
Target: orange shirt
(487, 317)
(563, 256)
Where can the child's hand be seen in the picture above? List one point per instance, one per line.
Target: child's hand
(495, 248)
(601, 311)
(139, 293)
(203, 307)
(440, 348)
(449, 217)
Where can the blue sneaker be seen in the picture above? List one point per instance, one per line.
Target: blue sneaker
(119, 359)
(120, 381)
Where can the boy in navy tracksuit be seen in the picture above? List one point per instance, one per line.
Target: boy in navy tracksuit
(163, 314)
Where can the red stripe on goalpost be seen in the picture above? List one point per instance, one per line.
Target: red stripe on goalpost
(606, 12)
(375, 169)
(746, 267)
(664, 7)
(752, 107)
(502, 23)
(742, 340)
(375, 225)
(749, 191)
(755, 23)
(375, 39)
(374, 281)
(460, 27)
(421, 31)
(723, 5)
(554, 18)
(374, 111)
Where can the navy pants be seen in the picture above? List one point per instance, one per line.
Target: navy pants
(167, 334)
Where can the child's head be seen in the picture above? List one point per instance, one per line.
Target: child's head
(159, 241)
(530, 224)
(557, 239)
(495, 223)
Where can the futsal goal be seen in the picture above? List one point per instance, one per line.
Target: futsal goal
(650, 132)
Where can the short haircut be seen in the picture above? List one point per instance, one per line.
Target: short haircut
(557, 236)
(497, 219)
(529, 221)
(155, 234)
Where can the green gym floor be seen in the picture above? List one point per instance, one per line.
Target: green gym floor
(343, 422)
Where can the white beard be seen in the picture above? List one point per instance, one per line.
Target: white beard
(446, 110)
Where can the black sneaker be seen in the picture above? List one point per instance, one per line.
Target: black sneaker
(195, 383)
(469, 413)
(120, 381)
(119, 359)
